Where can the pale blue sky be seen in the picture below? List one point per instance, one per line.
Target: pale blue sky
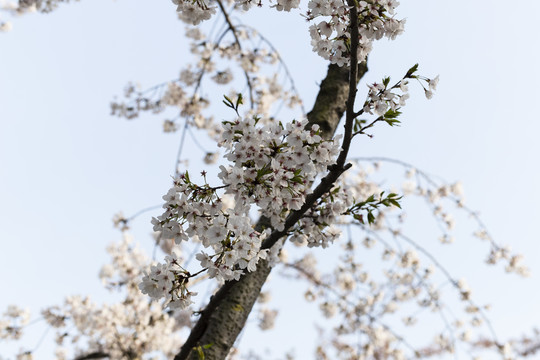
(66, 166)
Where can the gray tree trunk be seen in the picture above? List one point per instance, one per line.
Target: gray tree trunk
(225, 315)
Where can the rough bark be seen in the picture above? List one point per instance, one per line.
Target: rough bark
(225, 315)
(330, 104)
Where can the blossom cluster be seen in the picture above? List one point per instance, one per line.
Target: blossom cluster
(273, 167)
(40, 5)
(193, 12)
(435, 194)
(318, 226)
(21, 7)
(12, 321)
(380, 98)
(168, 278)
(219, 60)
(364, 301)
(385, 100)
(132, 325)
(331, 38)
(198, 212)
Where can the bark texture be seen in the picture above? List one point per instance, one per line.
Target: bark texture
(225, 315)
(330, 104)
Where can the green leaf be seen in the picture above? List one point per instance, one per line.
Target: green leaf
(263, 171)
(392, 122)
(200, 352)
(239, 101)
(411, 71)
(391, 114)
(228, 102)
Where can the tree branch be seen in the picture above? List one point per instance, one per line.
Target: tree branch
(237, 41)
(331, 101)
(226, 313)
(350, 115)
(93, 355)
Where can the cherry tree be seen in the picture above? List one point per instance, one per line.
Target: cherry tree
(285, 184)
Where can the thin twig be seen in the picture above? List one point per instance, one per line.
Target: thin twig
(237, 41)
(353, 73)
(180, 147)
(281, 62)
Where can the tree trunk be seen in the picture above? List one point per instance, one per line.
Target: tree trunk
(225, 315)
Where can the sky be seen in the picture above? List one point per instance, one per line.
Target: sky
(67, 166)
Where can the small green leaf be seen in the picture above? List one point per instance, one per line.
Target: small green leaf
(392, 122)
(411, 71)
(395, 203)
(228, 102)
(200, 352)
(392, 114)
(239, 101)
(356, 126)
